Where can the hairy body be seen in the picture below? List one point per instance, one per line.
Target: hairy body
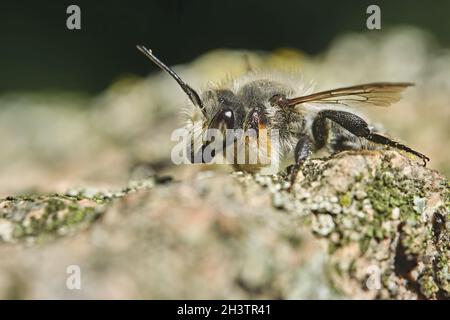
(305, 121)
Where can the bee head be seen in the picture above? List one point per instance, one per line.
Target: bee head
(225, 109)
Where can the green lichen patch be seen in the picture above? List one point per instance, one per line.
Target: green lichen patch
(383, 218)
(378, 211)
(34, 219)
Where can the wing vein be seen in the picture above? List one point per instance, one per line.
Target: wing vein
(382, 94)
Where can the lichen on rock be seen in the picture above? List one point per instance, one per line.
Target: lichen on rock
(380, 213)
(357, 225)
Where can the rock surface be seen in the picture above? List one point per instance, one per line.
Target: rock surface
(357, 225)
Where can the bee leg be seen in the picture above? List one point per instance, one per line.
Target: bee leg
(320, 130)
(340, 138)
(199, 156)
(360, 128)
(378, 138)
(301, 153)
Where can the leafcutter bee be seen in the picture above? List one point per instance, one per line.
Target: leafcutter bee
(304, 121)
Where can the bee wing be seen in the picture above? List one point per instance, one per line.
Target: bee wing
(381, 94)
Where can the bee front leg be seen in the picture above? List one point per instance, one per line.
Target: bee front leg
(198, 156)
(302, 152)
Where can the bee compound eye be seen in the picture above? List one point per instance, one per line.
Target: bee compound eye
(228, 119)
(223, 119)
(228, 115)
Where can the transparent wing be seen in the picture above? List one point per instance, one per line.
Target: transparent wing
(381, 94)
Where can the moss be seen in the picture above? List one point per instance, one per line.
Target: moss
(386, 212)
(428, 287)
(46, 216)
(388, 191)
(385, 194)
(345, 200)
(376, 218)
(42, 217)
(49, 216)
(443, 264)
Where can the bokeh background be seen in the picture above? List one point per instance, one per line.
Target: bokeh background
(39, 53)
(86, 108)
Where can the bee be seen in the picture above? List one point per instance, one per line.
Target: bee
(305, 121)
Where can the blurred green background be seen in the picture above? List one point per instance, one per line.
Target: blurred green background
(38, 52)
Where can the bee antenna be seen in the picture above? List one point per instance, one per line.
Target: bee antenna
(192, 94)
